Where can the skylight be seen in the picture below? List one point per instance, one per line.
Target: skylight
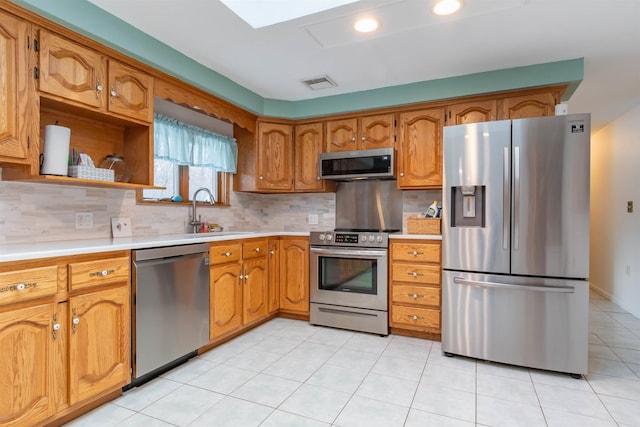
(262, 13)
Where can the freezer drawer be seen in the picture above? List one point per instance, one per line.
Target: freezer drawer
(533, 322)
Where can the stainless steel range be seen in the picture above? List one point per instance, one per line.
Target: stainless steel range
(348, 280)
(348, 267)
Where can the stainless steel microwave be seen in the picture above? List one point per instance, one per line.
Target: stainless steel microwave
(354, 165)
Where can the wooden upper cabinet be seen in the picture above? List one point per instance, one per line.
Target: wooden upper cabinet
(75, 73)
(14, 72)
(72, 71)
(420, 149)
(99, 342)
(472, 112)
(275, 156)
(341, 135)
(26, 365)
(308, 146)
(536, 105)
(376, 132)
(130, 92)
(360, 133)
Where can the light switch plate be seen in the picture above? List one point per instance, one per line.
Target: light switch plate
(121, 227)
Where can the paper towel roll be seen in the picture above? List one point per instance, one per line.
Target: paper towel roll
(56, 150)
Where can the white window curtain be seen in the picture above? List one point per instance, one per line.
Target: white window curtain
(189, 145)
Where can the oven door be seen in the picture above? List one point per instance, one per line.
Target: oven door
(351, 277)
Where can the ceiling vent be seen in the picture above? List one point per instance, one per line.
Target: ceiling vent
(322, 82)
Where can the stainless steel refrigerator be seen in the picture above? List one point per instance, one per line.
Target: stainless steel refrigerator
(516, 242)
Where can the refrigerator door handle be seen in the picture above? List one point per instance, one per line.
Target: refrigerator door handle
(516, 197)
(505, 198)
(477, 283)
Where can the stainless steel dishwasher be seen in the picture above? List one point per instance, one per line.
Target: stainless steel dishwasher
(170, 310)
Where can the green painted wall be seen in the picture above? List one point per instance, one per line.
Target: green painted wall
(86, 18)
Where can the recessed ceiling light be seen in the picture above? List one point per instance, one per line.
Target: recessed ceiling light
(447, 7)
(365, 25)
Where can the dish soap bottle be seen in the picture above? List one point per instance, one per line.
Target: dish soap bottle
(432, 212)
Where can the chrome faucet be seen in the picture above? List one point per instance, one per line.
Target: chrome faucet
(195, 221)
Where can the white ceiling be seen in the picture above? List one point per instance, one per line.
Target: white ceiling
(412, 44)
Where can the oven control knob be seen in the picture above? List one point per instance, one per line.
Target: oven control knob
(372, 238)
(379, 239)
(321, 237)
(329, 237)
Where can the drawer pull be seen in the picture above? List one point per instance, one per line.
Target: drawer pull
(19, 287)
(414, 253)
(257, 249)
(226, 254)
(415, 296)
(415, 274)
(414, 317)
(102, 273)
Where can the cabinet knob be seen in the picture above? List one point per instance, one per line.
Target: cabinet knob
(415, 296)
(272, 252)
(363, 138)
(401, 173)
(415, 274)
(260, 178)
(21, 287)
(226, 254)
(56, 326)
(257, 249)
(415, 317)
(76, 320)
(354, 138)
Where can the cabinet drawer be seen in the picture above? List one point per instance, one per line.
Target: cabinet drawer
(416, 273)
(254, 249)
(421, 252)
(100, 272)
(221, 254)
(421, 295)
(22, 285)
(415, 317)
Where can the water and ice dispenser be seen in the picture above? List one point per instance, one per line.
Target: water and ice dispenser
(468, 206)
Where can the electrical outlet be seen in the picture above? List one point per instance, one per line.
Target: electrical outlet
(121, 227)
(84, 220)
(630, 206)
(313, 219)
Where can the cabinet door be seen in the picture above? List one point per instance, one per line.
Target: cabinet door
(274, 275)
(294, 275)
(376, 132)
(255, 293)
(226, 299)
(521, 107)
(275, 157)
(309, 140)
(72, 71)
(420, 149)
(13, 86)
(341, 135)
(472, 112)
(99, 342)
(130, 92)
(26, 365)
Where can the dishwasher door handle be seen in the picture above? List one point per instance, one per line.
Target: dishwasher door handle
(170, 259)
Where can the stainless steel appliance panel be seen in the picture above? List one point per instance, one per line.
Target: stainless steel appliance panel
(478, 155)
(368, 205)
(550, 217)
(377, 301)
(534, 322)
(171, 310)
(352, 318)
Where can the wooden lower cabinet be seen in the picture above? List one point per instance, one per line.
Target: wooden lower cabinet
(294, 275)
(415, 287)
(26, 365)
(239, 285)
(60, 350)
(99, 343)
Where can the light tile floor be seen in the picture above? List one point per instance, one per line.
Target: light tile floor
(288, 373)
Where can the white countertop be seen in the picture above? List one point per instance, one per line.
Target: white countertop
(25, 251)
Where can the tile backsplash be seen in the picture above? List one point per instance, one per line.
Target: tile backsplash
(43, 212)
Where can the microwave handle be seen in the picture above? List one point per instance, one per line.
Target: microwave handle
(348, 252)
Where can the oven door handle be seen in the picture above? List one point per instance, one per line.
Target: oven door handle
(349, 252)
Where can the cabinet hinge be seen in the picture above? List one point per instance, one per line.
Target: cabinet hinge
(28, 42)
(28, 142)
(36, 45)
(36, 73)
